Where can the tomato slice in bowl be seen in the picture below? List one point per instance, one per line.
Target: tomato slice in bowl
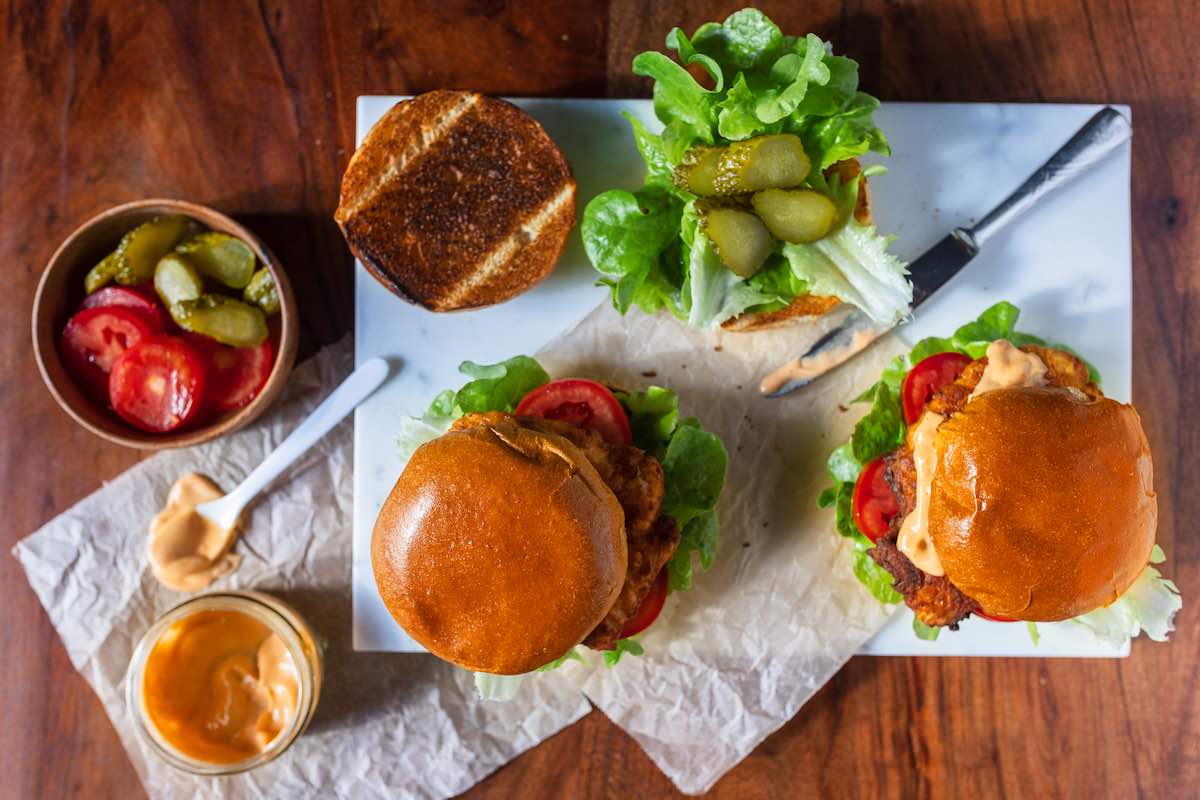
(158, 385)
(94, 339)
(136, 299)
(580, 402)
(874, 503)
(235, 374)
(929, 375)
(651, 607)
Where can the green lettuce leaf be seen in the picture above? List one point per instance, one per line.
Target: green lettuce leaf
(923, 631)
(693, 462)
(626, 235)
(623, 646)
(853, 263)
(415, 432)
(570, 655)
(693, 471)
(653, 417)
(877, 579)
(497, 688)
(496, 387)
(763, 82)
(650, 146)
(699, 536)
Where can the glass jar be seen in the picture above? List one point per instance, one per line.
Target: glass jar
(280, 619)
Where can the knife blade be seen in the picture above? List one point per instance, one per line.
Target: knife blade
(854, 331)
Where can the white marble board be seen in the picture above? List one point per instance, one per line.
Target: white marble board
(1067, 265)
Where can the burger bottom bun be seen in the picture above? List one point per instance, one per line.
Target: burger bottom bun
(499, 548)
(1043, 504)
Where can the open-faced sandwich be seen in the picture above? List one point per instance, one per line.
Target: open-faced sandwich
(755, 210)
(535, 516)
(992, 477)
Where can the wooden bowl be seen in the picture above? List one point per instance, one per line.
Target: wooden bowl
(60, 291)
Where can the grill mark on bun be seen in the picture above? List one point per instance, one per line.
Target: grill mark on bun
(528, 231)
(400, 161)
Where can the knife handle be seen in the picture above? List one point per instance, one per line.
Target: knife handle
(1102, 134)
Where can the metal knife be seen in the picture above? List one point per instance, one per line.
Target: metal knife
(1102, 134)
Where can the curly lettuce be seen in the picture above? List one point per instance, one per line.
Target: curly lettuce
(693, 462)
(1149, 605)
(645, 243)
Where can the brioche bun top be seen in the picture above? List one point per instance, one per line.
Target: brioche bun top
(1043, 504)
(499, 548)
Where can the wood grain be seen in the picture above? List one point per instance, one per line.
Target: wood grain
(250, 107)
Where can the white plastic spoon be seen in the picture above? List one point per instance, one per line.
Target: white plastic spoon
(225, 511)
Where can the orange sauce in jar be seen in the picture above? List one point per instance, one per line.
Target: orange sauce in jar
(219, 686)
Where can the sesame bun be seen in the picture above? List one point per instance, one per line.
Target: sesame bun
(499, 548)
(1043, 503)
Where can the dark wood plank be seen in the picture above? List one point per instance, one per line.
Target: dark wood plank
(252, 111)
(249, 108)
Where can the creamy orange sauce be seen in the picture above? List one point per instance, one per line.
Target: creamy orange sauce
(188, 551)
(219, 686)
(1008, 367)
(814, 366)
(914, 540)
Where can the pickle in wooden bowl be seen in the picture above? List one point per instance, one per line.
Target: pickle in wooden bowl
(140, 247)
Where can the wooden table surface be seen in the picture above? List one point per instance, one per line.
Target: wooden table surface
(250, 107)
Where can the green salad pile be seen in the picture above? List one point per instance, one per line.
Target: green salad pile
(1148, 605)
(693, 462)
(651, 246)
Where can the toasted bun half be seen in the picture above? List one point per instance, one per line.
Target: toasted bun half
(1043, 503)
(456, 200)
(499, 548)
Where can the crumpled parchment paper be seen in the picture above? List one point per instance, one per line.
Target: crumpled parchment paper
(387, 724)
(779, 612)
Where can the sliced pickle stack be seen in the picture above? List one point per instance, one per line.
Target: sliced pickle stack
(750, 193)
(196, 273)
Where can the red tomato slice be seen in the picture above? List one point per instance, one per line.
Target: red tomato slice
(235, 374)
(995, 617)
(145, 303)
(926, 378)
(94, 339)
(584, 403)
(651, 607)
(874, 502)
(158, 385)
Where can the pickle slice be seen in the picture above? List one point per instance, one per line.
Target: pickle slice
(176, 280)
(740, 238)
(261, 291)
(798, 215)
(141, 248)
(765, 162)
(101, 274)
(225, 319)
(224, 258)
(698, 170)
